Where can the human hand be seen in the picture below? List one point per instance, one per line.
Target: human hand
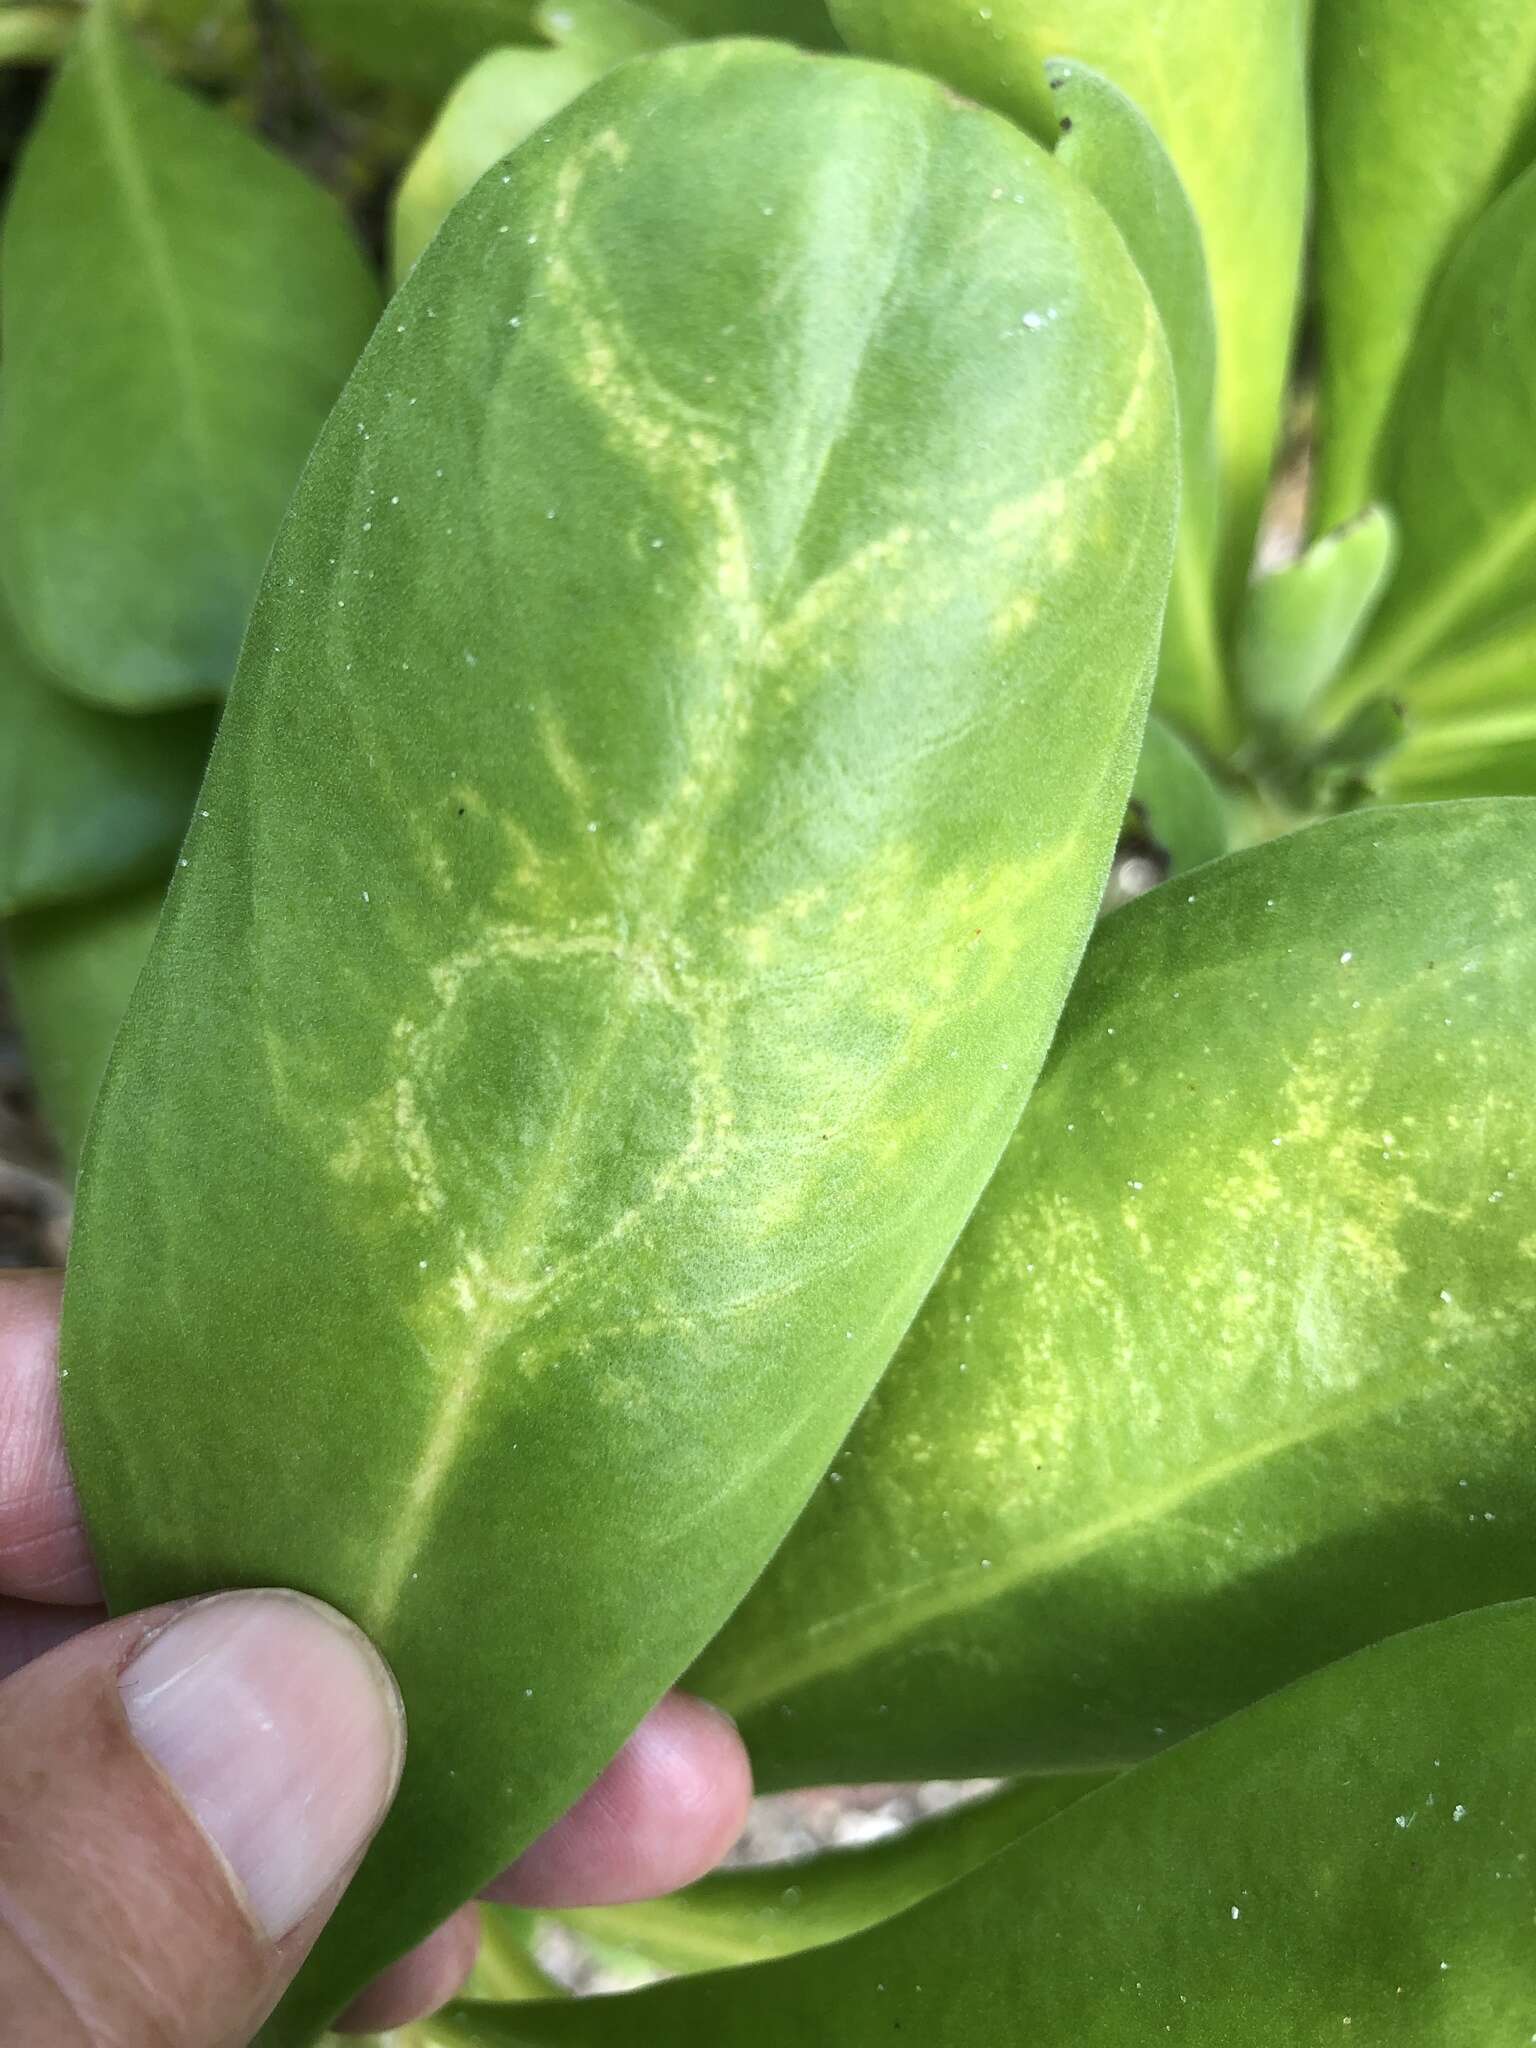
(185, 1792)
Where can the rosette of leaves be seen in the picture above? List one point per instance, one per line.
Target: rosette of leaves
(688, 687)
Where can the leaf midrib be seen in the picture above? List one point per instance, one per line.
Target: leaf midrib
(455, 1411)
(137, 192)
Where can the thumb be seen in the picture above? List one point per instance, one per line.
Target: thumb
(183, 1795)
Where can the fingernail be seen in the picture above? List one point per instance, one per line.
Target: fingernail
(280, 1728)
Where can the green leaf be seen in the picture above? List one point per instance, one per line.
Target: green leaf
(180, 309)
(751, 1916)
(1348, 1861)
(426, 46)
(796, 21)
(1455, 465)
(421, 46)
(617, 983)
(71, 973)
(1223, 83)
(1417, 109)
(1109, 144)
(36, 35)
(1301, 623)
(1492, 753)
(1178, 804)
(506, 1966)
(87, 800)
(504, 99)
(1230, 1371)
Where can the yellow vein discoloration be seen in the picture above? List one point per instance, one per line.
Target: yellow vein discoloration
(757, 618)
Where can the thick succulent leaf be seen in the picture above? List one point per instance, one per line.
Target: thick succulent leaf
(1299, 625)
(1456, 462)
(1350, 1860)
(35, 35)
(1211, 76)
(71, 973)
(421, 46)
(505, 1965)
(504, 99)
(1175, 801)
(1108, 143)
(1492, 753)
(180, 309)
(87, 800)
(751, 1916)
(1486, 673)
(1416, 110)
(797, 21)
(1231, 1369)
(673, 767)
(426, 46)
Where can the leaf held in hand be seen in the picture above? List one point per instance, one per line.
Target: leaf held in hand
(671, 774)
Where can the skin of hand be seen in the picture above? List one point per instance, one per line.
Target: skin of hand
(185, 1792)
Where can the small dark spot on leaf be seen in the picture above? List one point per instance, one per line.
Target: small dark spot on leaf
(461, 810)
(1066, 123)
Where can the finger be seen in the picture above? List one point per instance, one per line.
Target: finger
(420, 1982)
(184, 1795)
(43, 1553)
(664, 1812)
(27, 1631)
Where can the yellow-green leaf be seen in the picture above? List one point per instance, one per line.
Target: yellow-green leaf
(1417, 108)
(672, 771)
(1223, 82)
(1230, 1371)
(505, 98)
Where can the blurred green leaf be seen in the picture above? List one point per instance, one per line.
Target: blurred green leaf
(750, 1916)
(1109, 145)
(1456, 466)
(1349, 1861)
(1179, 804)
(1416, 108)
(504, 99)
(180, 308)
(88, 800)
(1300, 624)
(1230, 1370)
(422, 46)
(71, 972)
(1223, 83)
(1492, 753)
(616, 984)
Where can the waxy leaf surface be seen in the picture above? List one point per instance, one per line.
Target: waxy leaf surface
(88, 800)
(751, 1916)
(1456, 470)
(1300, 624)
(675, 761)
(180, 309)
(1108, 143)
(71, 972)
(1231, 1369)
(1417, 109)
(1223, 83)
(1351, 1860)
(1174, 799)
(500, 103)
